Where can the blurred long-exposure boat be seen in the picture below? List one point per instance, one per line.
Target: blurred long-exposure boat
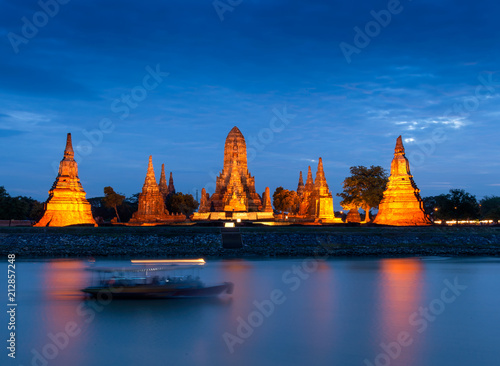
(153, 279)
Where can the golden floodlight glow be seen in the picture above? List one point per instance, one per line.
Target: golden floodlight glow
(199, 261)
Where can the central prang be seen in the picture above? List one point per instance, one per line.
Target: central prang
(235, 187)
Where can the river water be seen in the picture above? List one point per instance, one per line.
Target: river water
(412, 311)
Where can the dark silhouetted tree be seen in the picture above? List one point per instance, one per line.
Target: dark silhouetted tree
(490, 208)
(456, 205)
(19, 208)
(113, 200)
(181, 203)
(364, 188)
(285, 200)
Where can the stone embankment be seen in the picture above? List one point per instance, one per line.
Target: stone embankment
(272, 242)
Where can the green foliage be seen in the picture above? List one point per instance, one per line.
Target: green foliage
(364, 188)
(285, 200)
(101, 211)
(456, 205)
(113, 200)
(181, 203)
(490, 208)
(19, 208)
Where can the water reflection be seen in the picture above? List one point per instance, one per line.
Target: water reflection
(400, 287)
(338, 316)
(64, 278)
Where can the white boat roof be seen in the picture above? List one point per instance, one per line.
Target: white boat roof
(170, 267)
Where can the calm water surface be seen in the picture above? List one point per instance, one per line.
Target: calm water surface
(423, 312)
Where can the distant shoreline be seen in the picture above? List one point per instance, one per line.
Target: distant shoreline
(264, 242)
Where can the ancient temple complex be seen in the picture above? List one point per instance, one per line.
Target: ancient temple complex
(316, 200)
(235, 196)
(67, 204)
(401, 204)
(152, 210)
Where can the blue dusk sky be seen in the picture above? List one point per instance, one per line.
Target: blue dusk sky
(301, 79)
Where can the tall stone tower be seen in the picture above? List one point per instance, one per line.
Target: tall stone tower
(300, 185)
(306, 208)
(171, 187)
(235, 187)
(401, 204)
(163, 183)
(322, 198)
(67, 204)
(151, 203)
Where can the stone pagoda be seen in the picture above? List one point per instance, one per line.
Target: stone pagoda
(266, 201)
(152, 209)
(304, 192)
(353, 215)
(316, 200)
(171, 188)
(166, 190)
(235, 196)
(67, 204)
(163, 183)
(401, 204)
(300, 185)
(322, 198)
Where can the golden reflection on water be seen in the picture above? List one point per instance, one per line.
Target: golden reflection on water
(401, 290)
(64, 279)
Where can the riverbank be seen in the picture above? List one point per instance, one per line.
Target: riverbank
(300, 241)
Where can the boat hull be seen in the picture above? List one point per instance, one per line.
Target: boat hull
(158, 291)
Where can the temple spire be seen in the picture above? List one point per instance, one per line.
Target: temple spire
(150, 176)
(309, 181)
(171, 187)
(68, 151)
(320, 173)
(400, 149)
(320, 181)
(300, 186)
(163, 182)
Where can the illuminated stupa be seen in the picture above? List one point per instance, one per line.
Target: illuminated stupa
(300, 185)
(322, 198)
(401, 204)
(266, 201)
(67, 204)
(316, 200)
(353, 215)
(165, 189)
(235, 195)
(163, 183)
(152, 209)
